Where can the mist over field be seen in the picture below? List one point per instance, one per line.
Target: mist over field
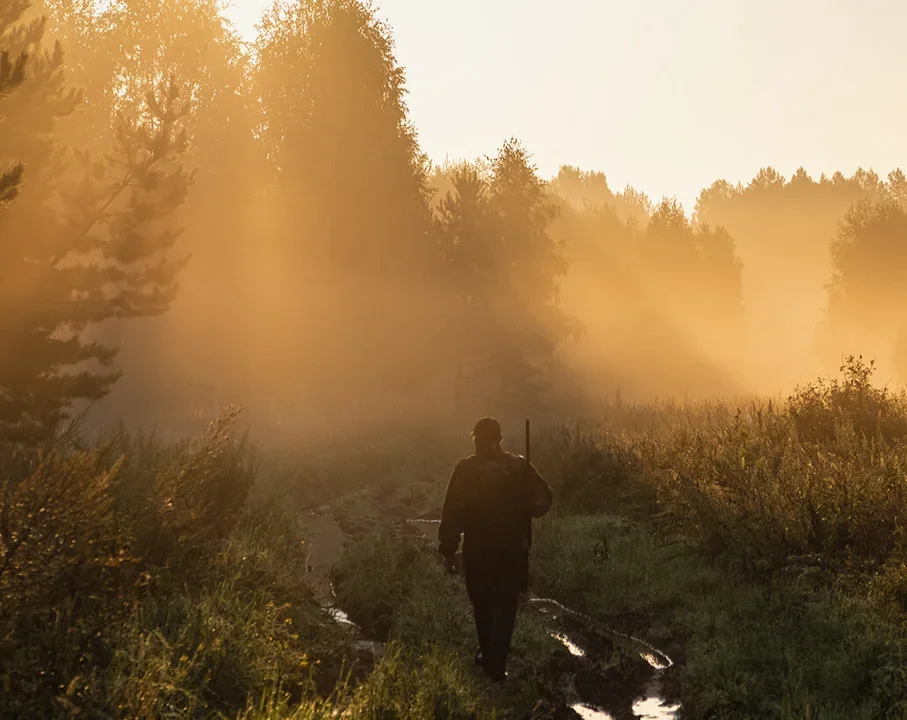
(203, 233)
(335, 271)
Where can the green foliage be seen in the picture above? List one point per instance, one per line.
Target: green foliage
(391, 587)
(819, 480)
(588, 467)
(427, 684)
(403, 686)
(815, 482)
(820, 409)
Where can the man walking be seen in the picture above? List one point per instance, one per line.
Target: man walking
(491, 500)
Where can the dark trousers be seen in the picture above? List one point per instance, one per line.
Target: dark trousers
(494, 585)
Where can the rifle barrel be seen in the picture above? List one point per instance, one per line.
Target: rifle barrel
(527, 441)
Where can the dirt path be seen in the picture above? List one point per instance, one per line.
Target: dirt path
(639, 695)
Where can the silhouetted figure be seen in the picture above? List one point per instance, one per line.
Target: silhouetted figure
(491, 500)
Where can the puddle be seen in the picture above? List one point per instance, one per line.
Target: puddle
(339, 616)
(574, 649)
(325, 544)
(654, 708)
(656, 659)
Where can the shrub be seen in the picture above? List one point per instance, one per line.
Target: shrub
(136, 580)
(822, 409)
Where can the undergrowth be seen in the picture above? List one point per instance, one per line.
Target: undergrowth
(790, 647)
(762, 546)
(136, 580)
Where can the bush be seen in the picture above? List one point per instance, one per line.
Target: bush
(136, 580)
(824, 408)
(589, 467)
(757, 490)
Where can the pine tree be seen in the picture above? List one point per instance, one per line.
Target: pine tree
(504, 268)
(85, 241)
(115, 50)
(12, 73)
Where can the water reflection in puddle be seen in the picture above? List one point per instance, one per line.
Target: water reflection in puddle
(591, 713)
(648, 709)
(654, 708)
(657, 659)
(339, 616)
(651, 707)
(654, 661)
(574, 649)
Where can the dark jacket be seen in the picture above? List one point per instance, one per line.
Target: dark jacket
(491, 500)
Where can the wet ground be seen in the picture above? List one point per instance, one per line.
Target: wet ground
(612, 676)
(616, 676)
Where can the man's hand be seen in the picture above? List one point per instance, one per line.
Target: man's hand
(453, 563)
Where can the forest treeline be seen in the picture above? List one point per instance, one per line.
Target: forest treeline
(223, 222)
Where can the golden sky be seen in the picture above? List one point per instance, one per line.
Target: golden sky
(666, 95)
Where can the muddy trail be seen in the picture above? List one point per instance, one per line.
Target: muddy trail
(611, 676)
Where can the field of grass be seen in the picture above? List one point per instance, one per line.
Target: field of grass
(760, 545)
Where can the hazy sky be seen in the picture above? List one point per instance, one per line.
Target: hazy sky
(666, 95)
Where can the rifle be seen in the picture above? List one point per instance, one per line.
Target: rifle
(527, 475)
(527, 446)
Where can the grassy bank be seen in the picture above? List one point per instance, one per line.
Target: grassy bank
(785, 647)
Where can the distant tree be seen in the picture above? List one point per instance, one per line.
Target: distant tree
(589, 190)
(697, 266)
(336, 127)
(86, 240)
(12, 74)
(668, 240)
(897, 187)
(115, 50)
(867, 293)
(649, 283)
(783, 230)
(582, 188)
(349, 204)
(504, 269)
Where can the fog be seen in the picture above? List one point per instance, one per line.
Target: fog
(337, 281)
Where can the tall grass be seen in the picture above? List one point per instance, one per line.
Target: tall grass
(819, 479)
(136, 580)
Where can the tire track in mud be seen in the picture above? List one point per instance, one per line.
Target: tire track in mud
(590, 694)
